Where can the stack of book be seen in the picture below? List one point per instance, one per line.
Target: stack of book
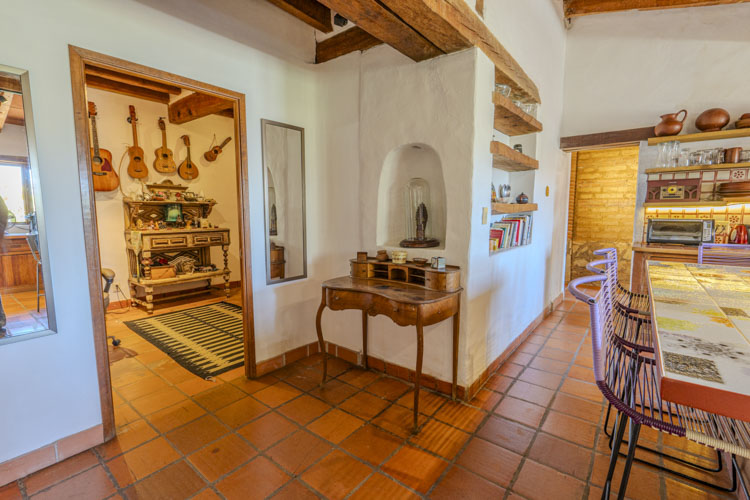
(511, 231)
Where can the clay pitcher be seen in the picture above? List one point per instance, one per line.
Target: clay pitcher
(669, 124)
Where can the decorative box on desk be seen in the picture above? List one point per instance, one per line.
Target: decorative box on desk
(446, 280)
(147, 246)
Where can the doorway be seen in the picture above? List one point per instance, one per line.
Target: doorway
(174, 246)
(601, 209)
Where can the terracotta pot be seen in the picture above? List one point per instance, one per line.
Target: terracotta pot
(732, 155)
(669, 124)
(712, 120)
(522, 199)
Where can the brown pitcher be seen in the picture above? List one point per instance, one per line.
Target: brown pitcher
(669, 124)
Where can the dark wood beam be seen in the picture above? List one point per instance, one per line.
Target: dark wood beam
(380, 22)
(353, 39)
(9, 83)
(5, 108)
(136, 81)
(576, 8)
(98, 82)
(196, 106)
(603, 140)
(429, 24)
(312, 12)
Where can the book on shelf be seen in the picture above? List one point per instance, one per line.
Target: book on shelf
(511, 231)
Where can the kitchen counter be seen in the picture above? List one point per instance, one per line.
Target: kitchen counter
(643, 252)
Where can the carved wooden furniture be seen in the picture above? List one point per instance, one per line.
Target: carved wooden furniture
(145, 245)
(18, 268)
(413, 295)
(277, 262)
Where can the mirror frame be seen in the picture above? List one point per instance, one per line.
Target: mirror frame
(267, 240)
(38, 205)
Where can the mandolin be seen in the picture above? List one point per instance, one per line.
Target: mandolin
(215, 151)
(136, 167)
(103, 175)
(187, 169)
(164, 161)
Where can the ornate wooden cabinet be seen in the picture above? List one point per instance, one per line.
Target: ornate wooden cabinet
(146, 246)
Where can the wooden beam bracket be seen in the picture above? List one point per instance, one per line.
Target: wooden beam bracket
(351, 40)
(196, 106)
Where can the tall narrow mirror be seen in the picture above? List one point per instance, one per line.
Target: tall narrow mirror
(284, 186)
(25, 296)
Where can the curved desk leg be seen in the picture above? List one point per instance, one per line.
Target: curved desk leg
(322, 344)
(418, 376)
(364, 339)
(456, 325)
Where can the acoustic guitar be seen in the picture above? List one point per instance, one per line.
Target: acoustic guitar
(164, 161)
(136, 167)
(187, 169)
(215, 151)
(104, 176)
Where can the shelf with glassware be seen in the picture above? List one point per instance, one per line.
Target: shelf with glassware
(514, 117)
(509, 159)
(511, 231)
(702, 136)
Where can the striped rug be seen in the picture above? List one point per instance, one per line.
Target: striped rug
(205, 340)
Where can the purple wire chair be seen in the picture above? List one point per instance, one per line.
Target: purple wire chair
(637, 301)
(724, 254)
(628, 379)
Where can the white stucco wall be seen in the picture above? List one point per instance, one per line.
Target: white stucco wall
(624, 70)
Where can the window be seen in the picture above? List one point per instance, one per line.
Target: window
(15, 189)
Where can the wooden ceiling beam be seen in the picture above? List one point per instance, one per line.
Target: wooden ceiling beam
(15, 115)
(311, 12)
(353, 39)
(380, 22)
(136, 81)
(196, 106)
(429, 24)
(5, 108)
(98, 82)
(602, 140)
(10, 83)
(577, 8)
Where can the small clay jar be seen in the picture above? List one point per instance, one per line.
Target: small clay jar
(732, 155)
(522, 199)
(381, 256)
(669, 124)
(712, 120)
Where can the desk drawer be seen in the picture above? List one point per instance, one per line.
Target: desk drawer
(210, 239)
(166, 241)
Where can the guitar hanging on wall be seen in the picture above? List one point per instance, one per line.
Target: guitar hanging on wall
(136, 167)
(164, 161)
(215, 151)
(187, 169)
(103, 175)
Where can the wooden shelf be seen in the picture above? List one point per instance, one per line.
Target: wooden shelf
(510, 160)
(512, 120)
(513, 208)
(703, 136)
(691, 168)
(697, 204)
(180, 278)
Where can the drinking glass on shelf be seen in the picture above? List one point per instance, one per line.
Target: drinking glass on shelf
(661, 154)
(503, 89)
(745, 156)
(684, 159)
(530, 108)
(696, 157)
(518, 104)
(719, 155)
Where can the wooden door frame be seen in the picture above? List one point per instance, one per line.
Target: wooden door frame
(78, 59)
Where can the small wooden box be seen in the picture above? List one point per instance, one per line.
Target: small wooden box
(163, 272)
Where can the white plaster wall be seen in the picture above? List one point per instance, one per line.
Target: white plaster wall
(506, 291)
(624, 70)
(216, 179)
(53, 389)
(13, 140)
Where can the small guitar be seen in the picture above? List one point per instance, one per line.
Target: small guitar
(215, 151)
(104, 176)
(164, 161)
(187, 169)
(136, 167)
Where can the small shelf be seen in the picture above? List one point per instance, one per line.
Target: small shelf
(510, 160)
(511, 120)
(703, 136)
(692, 168)
(513, 208)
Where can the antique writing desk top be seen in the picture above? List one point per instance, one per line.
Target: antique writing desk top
(393, 290)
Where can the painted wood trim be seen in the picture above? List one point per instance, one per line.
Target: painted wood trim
(601, 140)
(577, 8)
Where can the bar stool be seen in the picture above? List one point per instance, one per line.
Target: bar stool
(629, 381)
(633, 327)
(624, 296)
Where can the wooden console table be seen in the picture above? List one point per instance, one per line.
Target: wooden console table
(405, 303)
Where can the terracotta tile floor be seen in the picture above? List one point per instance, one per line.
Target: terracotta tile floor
(20, 312)
(534, 431)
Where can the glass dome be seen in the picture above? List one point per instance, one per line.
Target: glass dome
(417, 212)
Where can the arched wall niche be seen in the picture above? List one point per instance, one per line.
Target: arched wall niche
(404, 163)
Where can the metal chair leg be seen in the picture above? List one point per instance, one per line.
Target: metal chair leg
(37, 288)
(623, 420)
(635, 430)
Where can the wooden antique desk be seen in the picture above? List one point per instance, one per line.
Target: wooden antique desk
(407, 298)
(701, 321)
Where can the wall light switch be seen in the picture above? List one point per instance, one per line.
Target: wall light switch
(484, 215)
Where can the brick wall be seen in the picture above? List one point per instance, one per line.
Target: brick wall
(605, 191)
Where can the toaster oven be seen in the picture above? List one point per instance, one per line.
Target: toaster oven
(680, 231)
